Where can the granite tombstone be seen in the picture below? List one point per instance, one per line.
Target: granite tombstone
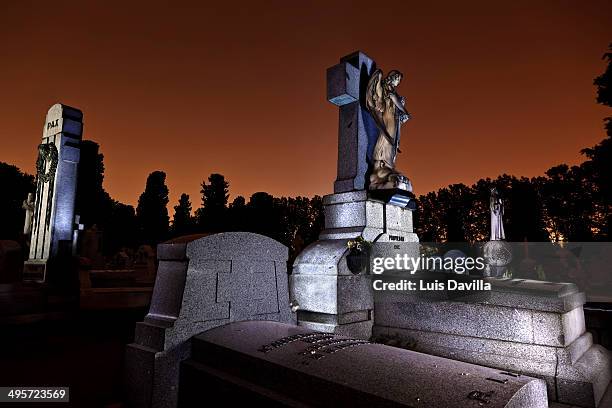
(202, 283)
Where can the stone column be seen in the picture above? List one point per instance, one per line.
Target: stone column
(56, 181)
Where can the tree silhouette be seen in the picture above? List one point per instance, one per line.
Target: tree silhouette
(263, 217)
(15, 188)
(121, 229)
(93, 203)
(604, 82)
(237, 214)
(152, 212)
(526, 218)
(568, 203)
(212, 215)
(597, 168)
(182, 222)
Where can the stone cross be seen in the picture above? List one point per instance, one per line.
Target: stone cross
(56, 181)
(357, 132)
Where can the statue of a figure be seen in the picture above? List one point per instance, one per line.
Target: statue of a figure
(387, 109)
(28, 206)
(497, 212)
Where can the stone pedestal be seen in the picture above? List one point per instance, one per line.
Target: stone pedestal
(330, 297)
(56, 181)
(527, 327)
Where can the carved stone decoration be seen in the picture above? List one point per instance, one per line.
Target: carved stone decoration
(46, 166)
(387, 110)
(47, 153)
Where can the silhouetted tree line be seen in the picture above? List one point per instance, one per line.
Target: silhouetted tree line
(295, 222)
(567, 203)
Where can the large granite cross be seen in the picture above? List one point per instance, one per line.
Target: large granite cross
(346, 85)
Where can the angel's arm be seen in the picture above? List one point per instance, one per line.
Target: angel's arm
(398, 104)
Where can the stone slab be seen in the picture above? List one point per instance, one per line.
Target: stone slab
(356, 374)
(530, 359)
(576, 374)
(585, 383)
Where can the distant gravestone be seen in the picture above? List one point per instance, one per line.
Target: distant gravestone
(53, 218)
(91, 246)
(200, 284)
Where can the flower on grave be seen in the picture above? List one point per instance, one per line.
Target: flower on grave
(359, 244)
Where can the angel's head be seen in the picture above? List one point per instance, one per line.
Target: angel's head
(393, 78)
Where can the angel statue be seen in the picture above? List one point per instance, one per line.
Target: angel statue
(387, 109)
(497, 211)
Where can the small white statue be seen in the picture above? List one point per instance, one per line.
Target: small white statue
(28, 206)
(497, 212)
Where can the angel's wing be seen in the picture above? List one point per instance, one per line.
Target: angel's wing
(374, 93)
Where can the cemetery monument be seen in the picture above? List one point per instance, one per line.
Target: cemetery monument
(53, 217)
(371, 200)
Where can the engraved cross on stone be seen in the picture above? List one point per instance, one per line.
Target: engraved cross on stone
(252, 291)
(346, 85)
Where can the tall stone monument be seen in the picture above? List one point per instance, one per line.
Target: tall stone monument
(53, 219)
(328, 296)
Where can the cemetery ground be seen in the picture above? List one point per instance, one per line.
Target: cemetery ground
(84, 351)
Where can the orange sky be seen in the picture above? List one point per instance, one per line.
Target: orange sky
(193, 89)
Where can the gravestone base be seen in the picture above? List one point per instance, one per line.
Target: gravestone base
(330, 297)
(527, 327)
(34, 271)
